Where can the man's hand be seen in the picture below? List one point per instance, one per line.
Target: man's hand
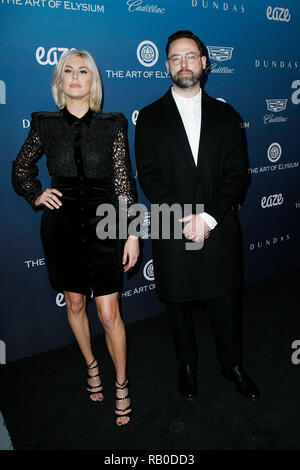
(196, 229)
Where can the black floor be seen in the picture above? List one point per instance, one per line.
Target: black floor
(45, 406)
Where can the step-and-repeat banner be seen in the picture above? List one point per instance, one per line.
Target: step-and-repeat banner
(253, 48)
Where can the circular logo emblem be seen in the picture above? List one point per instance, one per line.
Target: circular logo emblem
(147, 53)
(274, 152)
(149, 271)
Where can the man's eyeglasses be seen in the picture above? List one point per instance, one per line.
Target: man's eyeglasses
(191, 58)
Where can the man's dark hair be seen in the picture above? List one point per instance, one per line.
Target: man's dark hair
(184, 33)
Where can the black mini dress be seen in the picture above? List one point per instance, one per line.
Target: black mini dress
(89, 163)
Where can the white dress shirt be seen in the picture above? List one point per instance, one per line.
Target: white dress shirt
(190, 112)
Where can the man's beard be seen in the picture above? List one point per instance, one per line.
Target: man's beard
(188, 81)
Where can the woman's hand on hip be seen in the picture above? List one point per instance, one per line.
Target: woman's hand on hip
(48, 198)
(131, 253)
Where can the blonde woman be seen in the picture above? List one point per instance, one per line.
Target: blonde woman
(88, 161)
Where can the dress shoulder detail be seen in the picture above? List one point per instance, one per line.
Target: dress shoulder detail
(112, 116)
(39, 115)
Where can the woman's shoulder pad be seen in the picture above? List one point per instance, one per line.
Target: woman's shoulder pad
(39, 115)
(112, 116)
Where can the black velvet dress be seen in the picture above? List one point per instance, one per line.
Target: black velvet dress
(89, 164)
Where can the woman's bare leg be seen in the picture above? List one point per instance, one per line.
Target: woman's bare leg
(78, 320)
(109, 315)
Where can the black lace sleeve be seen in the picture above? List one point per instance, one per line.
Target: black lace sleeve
(124, 183)
(25, 170)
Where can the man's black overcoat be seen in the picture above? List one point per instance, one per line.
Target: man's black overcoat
(168, 174)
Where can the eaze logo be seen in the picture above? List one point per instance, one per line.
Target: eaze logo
(2, 92)
(51, 56)
(272, 200)
(278, 14)
(296, 94)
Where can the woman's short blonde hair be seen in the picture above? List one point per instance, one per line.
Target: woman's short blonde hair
(96, 90)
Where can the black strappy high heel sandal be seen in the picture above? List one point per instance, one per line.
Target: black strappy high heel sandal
(125, 412)
(91, 388)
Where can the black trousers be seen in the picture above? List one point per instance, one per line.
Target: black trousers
(225, 317)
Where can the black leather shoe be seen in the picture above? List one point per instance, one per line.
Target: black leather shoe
(187, 384)
(243, 383)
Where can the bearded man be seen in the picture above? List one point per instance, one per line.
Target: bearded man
(190, 152)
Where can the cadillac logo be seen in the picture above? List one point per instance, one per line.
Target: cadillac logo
(219, 53)
(276, 105)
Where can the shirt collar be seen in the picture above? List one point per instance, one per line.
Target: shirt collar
(70, 118)
(182, 100)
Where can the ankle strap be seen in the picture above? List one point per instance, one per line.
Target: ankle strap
(89, 366)
(122, 385)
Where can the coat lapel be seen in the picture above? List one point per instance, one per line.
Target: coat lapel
(205, 134)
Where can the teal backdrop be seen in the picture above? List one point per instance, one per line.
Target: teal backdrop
(253, 48)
